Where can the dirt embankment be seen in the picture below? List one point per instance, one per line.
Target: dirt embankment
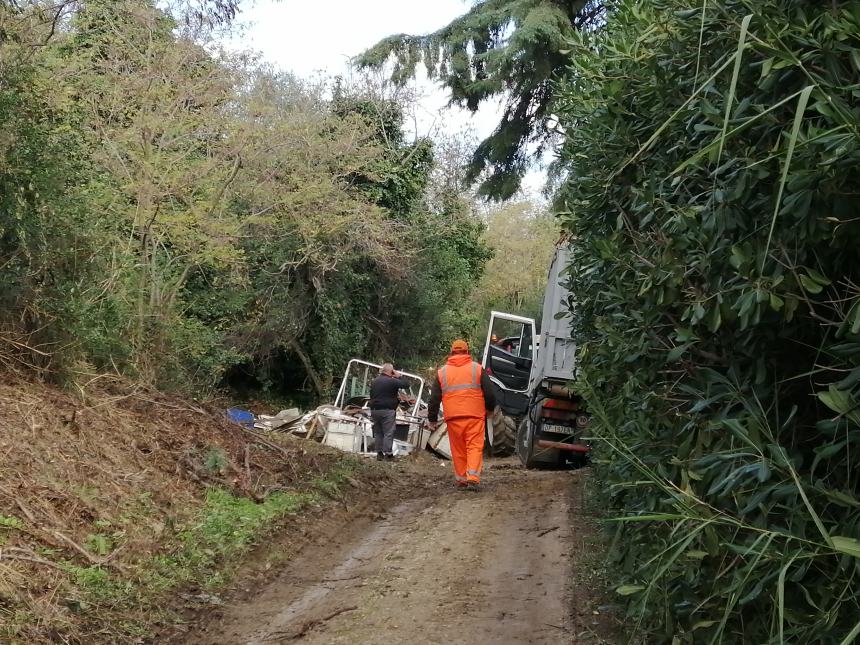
(441, 566)
(114, 503)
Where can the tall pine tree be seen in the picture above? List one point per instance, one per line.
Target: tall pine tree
(500, 48)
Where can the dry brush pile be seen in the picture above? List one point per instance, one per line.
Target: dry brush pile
(113, 503)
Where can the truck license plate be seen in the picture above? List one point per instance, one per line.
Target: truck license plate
(551, 427)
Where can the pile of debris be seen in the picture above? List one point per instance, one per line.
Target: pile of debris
(346, 424)
(283, 419)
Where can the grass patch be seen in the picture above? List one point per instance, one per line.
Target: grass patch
(227, 526)
(10, 522)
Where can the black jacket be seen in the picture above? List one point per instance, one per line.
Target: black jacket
(383, 392)
(436, 396)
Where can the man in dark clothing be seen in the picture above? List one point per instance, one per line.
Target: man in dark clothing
(384, 400)
(464, 389)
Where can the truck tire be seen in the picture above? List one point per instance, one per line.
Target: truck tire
(504, 435)
(525, 444)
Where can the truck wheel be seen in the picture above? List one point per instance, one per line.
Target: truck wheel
(504, 435)
(525, 444)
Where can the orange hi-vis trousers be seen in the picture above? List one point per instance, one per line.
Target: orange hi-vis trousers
(466, 436)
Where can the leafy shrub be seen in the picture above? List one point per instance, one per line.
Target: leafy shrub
(215, 460)
(713, 189)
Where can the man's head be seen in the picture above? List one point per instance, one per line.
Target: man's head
(387, 369)
(459, 347)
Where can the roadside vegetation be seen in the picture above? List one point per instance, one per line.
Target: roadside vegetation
(713, 156)
(122, 506)
(190, 219)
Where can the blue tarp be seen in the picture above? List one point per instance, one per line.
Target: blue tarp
(242, 417)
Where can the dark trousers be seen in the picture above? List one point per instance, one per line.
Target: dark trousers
(383, 430)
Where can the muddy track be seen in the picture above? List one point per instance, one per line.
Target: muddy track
(443, 567)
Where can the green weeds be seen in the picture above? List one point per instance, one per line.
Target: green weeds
(202, 554)
(10, 522)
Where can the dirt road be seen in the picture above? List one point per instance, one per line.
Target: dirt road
(452, 567)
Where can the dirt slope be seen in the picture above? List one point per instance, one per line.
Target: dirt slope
(106, 505)
(445, 567)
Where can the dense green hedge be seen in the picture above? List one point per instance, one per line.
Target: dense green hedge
(713, 160)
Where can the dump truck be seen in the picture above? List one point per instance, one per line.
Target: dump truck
(539, 416)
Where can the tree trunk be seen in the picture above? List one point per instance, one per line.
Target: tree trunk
(319, 385)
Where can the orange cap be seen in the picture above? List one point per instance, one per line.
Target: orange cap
(459, 347)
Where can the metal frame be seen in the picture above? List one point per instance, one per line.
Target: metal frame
(500, 315)
(341, 393)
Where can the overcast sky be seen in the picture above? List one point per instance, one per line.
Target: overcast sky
(320, 36)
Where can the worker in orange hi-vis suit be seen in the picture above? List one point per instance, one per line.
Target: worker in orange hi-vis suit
(465, 393)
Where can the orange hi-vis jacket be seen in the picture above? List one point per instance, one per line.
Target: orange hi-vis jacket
(460, 379)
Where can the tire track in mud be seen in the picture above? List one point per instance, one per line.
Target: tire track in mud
(458, 567)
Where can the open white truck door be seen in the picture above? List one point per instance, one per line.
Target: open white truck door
(509, 353)
(509, 350)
